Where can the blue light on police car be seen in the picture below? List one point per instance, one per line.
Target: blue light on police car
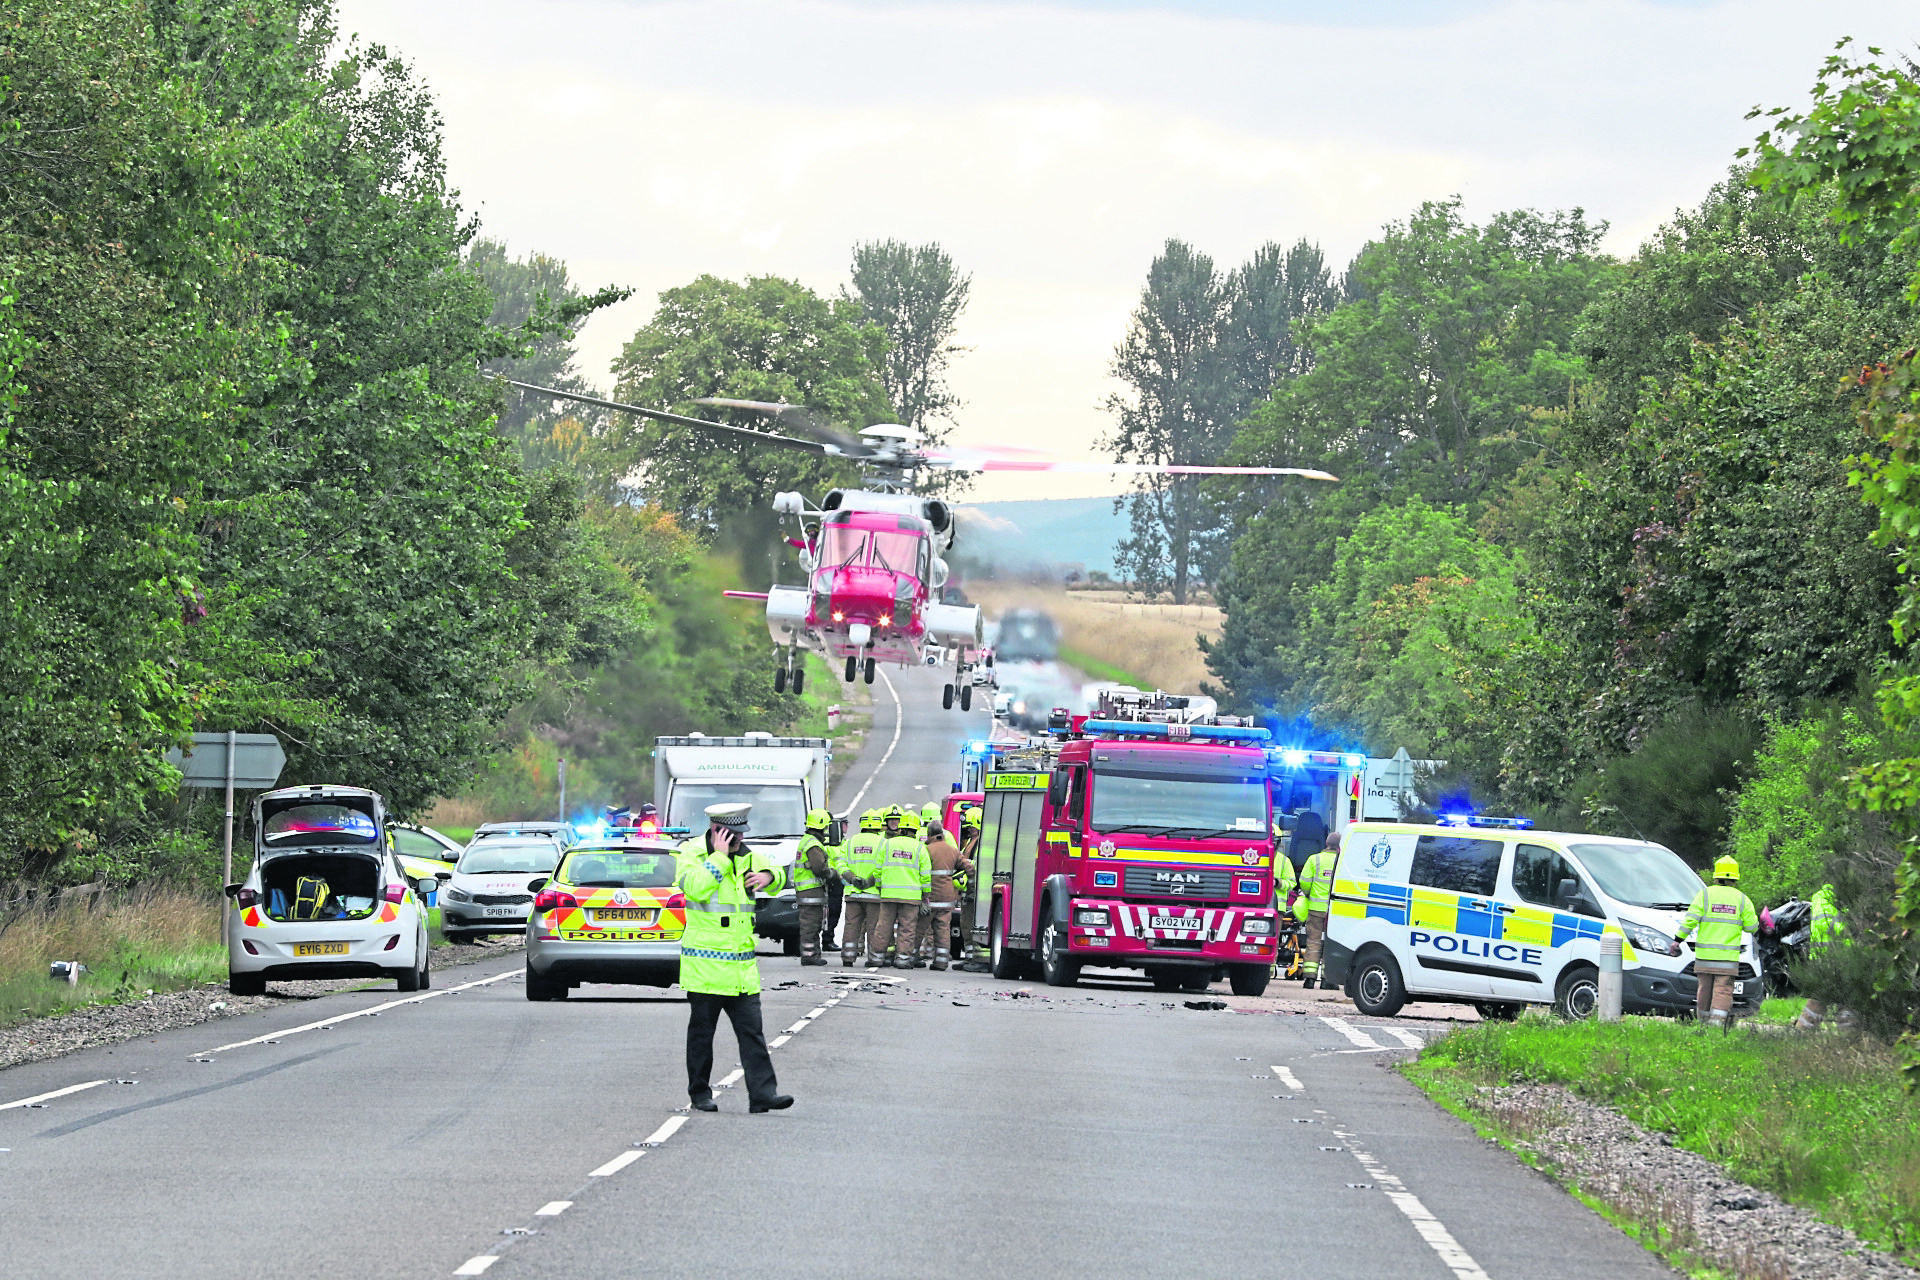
(1293, 759)
(1456, 819)
(1356, 762)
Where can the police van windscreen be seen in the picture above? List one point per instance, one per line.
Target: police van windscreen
(1178, 804)
(1641, 875)
(777, 810)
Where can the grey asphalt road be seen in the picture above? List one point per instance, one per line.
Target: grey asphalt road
(945, 1124)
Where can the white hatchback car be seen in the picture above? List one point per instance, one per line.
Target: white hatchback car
(326, 897)
(489, 890)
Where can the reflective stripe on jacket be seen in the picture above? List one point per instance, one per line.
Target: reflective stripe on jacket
(716, 951)
(907, 873)
(860, 860)
(812, 866)
(948, 864)
(1721, 914)
(1827, 928)
(1284, 879)
(1316, 877)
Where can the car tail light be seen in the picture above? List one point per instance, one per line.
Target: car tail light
(246, 898)
(392, 942)
(678, 900)
(396, 893)
(251, 949)
(554, 900)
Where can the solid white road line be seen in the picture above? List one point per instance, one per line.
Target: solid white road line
(616, 1164)
(553, 1208)
(899, 719)
(1288, 1079)
(1353, 1033)
(665, 1131)
(1406, 1038)
(39, 1098)
(477, 1266)
(1431, 1229)
(361, 1013)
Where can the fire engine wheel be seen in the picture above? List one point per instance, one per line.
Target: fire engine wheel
(799, 680)
(1056, 970)
(966, 697)
(852, 663)
(869, 671)
(780, 680)
(1164, 979)
(946, 697)
(1196, 980)
(1249, 979)
(1378, 990)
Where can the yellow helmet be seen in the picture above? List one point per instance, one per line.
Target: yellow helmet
(819, 820)
(1726, 869)
(872, 820)
(910, 821)
(970, 817)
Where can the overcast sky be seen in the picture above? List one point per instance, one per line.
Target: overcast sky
(1052, 148)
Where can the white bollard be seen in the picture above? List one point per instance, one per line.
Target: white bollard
(833, 716)
(1610, 945)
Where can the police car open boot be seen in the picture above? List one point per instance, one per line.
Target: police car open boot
(778, 1102)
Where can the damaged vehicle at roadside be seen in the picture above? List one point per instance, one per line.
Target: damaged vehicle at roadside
(327, 897)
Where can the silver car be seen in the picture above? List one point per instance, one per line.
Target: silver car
(490, 890)
(609, 913)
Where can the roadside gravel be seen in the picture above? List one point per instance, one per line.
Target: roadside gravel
(1698, 1209)
(96, 1025)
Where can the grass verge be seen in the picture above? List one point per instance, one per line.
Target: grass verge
(1821, 1121)
(144, 940)
(1099, 670)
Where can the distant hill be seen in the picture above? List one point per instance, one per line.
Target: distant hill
(1039, 533)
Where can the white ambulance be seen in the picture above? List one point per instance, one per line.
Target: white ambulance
(1489, 912)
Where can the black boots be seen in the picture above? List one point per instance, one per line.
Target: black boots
(779, 1102)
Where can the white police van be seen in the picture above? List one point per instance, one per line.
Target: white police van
(1489, 912)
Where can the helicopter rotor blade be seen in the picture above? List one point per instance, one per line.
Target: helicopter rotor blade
(802, 419)
(963, 462)
(678, 419)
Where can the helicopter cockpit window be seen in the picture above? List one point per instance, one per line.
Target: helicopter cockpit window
(842, 548)
(899, 552)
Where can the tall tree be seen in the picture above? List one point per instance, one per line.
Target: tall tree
(916, 296)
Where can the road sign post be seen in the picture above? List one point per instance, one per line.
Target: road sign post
(229, 760)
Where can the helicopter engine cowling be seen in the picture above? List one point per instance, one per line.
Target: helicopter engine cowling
(937, 513)
(954, 624)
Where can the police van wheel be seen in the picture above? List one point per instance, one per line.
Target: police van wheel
(1055, 969)
(1577, 995)
(1378, 990)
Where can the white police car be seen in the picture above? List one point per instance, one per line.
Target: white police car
(1489, 912)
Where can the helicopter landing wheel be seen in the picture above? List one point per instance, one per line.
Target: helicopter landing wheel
(946, 697)
(780, 680)
(966, 697)
(869, 671)
(799, 680)
(852, 663)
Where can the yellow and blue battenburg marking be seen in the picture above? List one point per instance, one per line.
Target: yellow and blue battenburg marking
(1475, 917)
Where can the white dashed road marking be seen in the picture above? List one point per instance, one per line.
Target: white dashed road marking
(732, 1078)
(39, 1098)
(477, 1266)
(374, 1011)
(777, 1041)
(665, 1131)
(553, 1208)
(1353, 1033)
(1431, 1229)
(616, 1164)
(1289, 1079)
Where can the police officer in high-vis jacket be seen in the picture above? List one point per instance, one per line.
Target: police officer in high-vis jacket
(1316, 883)
(719, 874)
(812, 872)
(1718, 918)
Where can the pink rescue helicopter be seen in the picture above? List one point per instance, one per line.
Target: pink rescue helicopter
(875, 557)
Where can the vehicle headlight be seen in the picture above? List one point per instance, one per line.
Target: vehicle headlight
(459, 895)
(1262, 925)
(1094, 916)
(1645, 939)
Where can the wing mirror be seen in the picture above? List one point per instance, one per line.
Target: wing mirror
(426, 885)
(537, 884)
(443, 876)
(1057, 790)
(233, 890)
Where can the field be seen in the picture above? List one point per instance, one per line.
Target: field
(153, 939)
(1152, 642)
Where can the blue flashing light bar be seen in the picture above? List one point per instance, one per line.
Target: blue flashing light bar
(1478, 820)
(1295, 758)
(1154, 729)
(976, 748)
(1356, 762)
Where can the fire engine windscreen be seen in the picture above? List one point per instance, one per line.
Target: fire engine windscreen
(1190, 804)
(777, 810)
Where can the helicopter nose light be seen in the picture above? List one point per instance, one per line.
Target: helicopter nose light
(839, 616)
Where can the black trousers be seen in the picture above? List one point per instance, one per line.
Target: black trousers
(703, 1018)
(835, 893)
